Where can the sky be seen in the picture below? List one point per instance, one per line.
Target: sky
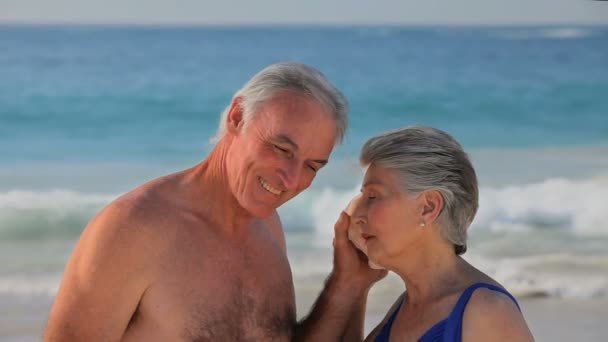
(339, 12)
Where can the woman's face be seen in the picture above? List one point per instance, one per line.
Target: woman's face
(387, 218)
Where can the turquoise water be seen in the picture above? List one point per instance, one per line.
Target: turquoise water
(154, 94)
(87, 113)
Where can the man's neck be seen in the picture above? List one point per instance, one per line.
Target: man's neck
(221, 206)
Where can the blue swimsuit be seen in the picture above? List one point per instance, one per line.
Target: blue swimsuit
(449, 329)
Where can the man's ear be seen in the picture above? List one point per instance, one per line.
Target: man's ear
(234, 120)
(432, 205)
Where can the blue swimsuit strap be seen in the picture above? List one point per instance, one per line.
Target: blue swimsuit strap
(386, 329)
(453, 327)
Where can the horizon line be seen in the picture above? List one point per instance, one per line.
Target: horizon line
(152, 24)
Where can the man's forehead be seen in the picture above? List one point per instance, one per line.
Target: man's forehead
(289, 105)
(292, 127)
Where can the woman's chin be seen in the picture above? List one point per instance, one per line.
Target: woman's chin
(354, 236)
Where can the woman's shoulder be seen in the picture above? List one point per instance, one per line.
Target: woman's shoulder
(492, 313)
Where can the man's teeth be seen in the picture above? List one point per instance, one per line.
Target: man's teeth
(269, 187)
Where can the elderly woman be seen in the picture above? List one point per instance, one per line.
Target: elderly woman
(418, 198)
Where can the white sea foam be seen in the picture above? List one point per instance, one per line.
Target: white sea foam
(572, 207)
(31, 215)
(541, 239)
(30, 284)
(545, 33)
(54, 199)
(576, 206)
(565, 33)
(562, 275)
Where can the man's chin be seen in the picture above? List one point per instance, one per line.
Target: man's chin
(262, 211)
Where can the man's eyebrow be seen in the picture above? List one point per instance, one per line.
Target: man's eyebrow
(282, 138)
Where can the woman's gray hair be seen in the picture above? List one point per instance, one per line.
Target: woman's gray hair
(426, 158)
(290, 76)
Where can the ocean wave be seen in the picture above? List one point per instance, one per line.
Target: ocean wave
(561, 275)
(30, 215)
(553, 205)
(546, 33)
(54, 199)
(30, 284)
(552, 275)
(575, 206)
(559, 205)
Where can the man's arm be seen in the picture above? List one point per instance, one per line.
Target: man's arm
(338, 313)
(103, 281)
(355, 327)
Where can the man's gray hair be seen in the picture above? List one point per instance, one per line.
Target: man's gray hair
(427, 158)
(289, 76)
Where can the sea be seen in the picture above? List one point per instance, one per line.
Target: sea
(89, 112)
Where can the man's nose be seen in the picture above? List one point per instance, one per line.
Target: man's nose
(290, 174)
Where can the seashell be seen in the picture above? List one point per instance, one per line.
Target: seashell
(354, 231)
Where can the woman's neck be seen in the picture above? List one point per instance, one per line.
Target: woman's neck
(430, 272)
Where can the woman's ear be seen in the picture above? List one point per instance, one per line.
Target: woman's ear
(234, 119)
(432, 205)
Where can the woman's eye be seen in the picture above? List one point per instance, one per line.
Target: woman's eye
(312, 168)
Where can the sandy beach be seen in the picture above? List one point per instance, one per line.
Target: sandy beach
(549, 319)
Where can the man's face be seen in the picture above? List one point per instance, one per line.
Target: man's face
(279, 152)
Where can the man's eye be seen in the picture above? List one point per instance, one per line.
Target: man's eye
(283, 151)
(280, 149)
(312, 168)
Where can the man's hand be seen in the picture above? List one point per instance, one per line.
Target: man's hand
(351, 266)
(339, 312)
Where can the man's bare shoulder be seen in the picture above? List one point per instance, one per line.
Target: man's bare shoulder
(273, 222)
(140, 214)
(112, 266)
(148, 201)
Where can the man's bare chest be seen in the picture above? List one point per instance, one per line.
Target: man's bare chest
(226, 294)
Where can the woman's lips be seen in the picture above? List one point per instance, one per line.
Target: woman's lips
(366, 236)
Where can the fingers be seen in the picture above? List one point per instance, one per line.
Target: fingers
(341, 230)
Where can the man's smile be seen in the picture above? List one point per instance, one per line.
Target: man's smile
(269, 187)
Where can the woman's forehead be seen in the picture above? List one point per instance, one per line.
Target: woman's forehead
(381, 177)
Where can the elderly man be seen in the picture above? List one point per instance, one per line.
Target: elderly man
(199, 255)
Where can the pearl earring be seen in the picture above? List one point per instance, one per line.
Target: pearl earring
(422, 224)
